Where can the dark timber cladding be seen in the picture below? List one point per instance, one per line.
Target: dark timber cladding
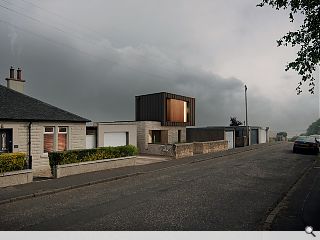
(153, 107)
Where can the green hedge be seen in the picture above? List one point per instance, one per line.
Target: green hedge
(75, 156)
(12, 162)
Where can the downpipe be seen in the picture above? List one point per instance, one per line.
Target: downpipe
(29, 147)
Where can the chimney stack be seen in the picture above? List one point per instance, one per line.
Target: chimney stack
(12, 72)
(19, 74)
(13, 83)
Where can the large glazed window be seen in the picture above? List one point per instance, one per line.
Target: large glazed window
(48, 139)
(62, 138)
(158, 136)
(177, 110)
(155, 136)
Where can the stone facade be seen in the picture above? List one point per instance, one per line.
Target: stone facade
(184, 150)
(209, 147)
(144, 142)
(40, 160)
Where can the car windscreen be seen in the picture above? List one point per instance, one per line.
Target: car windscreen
(306, 139)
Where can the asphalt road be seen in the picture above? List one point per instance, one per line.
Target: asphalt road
(229, 193)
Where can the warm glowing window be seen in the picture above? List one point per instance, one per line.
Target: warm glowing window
(158, 136)
(48, 139)
(62, 138)
(177, 110)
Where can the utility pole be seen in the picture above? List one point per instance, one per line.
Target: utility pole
(246, 102)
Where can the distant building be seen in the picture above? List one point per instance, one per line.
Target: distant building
(235, 135)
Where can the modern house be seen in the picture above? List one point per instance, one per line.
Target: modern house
(36, 128)
(162, 118)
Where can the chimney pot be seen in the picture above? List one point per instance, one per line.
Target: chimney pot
(19, 74)
(11, 72)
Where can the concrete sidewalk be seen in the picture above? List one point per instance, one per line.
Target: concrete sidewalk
(301, 207)
(143, 165)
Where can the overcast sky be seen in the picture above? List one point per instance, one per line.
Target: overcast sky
(93, 57)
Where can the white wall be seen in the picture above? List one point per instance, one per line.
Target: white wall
(262, 136)
(129, 127)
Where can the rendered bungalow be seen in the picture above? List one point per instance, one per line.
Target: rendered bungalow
(34, 127)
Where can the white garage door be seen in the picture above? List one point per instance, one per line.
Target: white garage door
(229, 138)
(91, 141)
(263, 136)
(114, 139)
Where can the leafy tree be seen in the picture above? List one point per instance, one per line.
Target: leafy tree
(282, 134)
(307, 37)
(314, 128)
(234, 122)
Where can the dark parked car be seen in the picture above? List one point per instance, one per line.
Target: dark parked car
(306, 144)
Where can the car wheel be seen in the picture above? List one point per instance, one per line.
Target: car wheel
(294, 150)
(316, 151)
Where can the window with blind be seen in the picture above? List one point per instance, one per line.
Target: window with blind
(62, 138)
(48, 139)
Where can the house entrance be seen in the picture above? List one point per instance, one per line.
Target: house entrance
(5, 140)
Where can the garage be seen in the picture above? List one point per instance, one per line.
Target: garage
(230, 139)
(262, 136)
(254, 136)
(114, 139)
(91, 137)
(91, 141)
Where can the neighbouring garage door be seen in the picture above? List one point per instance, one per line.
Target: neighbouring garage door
(91, 141)
(254, 136)
(229, 138)
(262, 136)
(114, 139)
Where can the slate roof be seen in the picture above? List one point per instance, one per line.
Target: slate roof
(20, 107)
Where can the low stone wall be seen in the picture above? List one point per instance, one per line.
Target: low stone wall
(92, 166)
(16, 178)
(183, 150)
(209, 147)
(155, 149)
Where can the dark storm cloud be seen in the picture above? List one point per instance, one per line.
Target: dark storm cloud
(145, 51)
(103, 89)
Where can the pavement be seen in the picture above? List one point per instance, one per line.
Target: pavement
(144, 164)
(301, 208)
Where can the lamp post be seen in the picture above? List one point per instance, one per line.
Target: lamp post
(246, 103)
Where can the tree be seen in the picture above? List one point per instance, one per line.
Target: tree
(282, 134)
(307, 37)
(314, 128)
(234, 122)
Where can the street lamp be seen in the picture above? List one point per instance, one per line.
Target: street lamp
(246, 103)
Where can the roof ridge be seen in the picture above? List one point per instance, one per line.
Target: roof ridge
(42, 102)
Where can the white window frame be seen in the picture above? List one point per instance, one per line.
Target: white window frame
(47, 133)
(66, 133)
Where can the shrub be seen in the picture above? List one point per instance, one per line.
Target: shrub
(12, 162)
(85, 155)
